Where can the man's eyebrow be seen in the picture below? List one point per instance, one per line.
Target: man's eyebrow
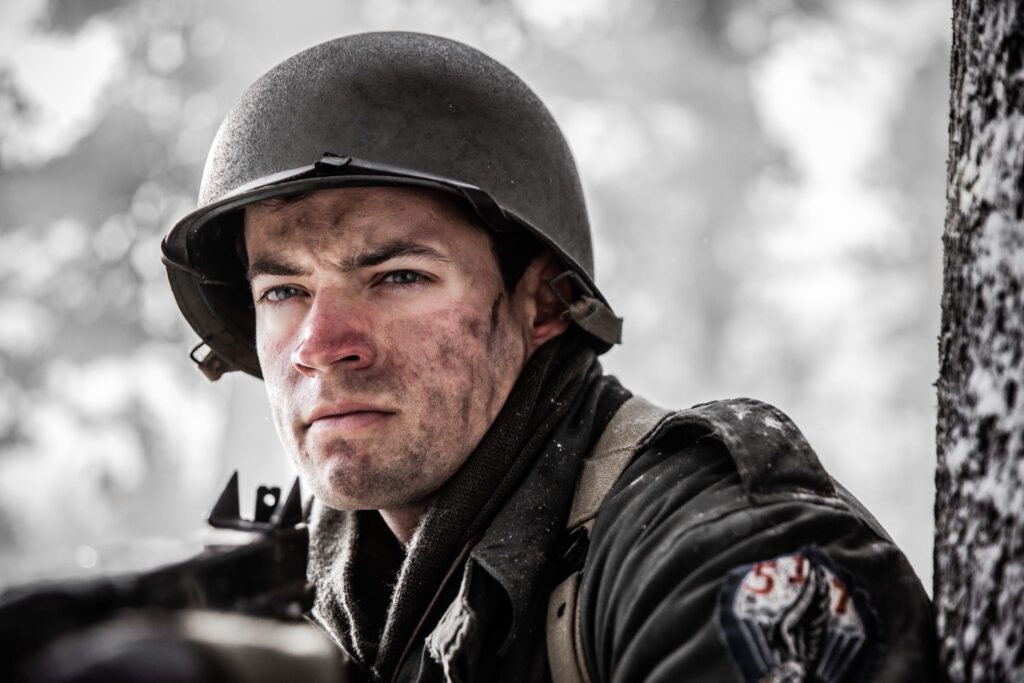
(373, 257)
(384, 253)
(271, 266)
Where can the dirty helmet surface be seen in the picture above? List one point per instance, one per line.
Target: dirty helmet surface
(388, 108)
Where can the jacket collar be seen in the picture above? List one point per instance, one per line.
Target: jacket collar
(517, 548)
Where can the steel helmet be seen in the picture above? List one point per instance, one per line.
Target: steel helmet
(389, 108)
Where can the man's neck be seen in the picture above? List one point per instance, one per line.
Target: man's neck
(404, 520)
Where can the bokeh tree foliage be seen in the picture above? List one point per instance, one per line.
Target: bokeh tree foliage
(762, 180)
(104, 434)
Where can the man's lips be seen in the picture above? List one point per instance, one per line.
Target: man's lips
(346, 417)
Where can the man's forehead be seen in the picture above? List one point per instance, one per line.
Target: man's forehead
(338, 204)
(354, 228)
(361, 215)
(352, 244)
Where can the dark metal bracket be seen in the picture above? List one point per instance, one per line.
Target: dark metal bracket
(273, 512)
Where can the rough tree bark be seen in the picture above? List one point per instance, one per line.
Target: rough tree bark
(979, 537)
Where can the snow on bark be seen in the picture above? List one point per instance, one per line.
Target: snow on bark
(979, 537)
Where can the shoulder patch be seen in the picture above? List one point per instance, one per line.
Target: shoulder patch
(796, 618)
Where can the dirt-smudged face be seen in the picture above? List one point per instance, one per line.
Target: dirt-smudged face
(386, 338)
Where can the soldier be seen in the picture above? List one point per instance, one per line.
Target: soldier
(391, 232)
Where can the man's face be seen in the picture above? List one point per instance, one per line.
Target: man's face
(386, 338)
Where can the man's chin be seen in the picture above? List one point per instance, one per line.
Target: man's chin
(350, 501)
(341, 486)
(347, 474)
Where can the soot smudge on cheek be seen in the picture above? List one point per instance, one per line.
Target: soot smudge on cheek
(466, 405)
(495, 314)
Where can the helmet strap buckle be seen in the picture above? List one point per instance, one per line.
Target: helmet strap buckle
(211, 365)
(589, 312)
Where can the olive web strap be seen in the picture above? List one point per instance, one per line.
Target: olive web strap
(635, 424)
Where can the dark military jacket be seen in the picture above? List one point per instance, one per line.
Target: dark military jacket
(723, 552)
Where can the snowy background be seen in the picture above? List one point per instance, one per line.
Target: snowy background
(766, 184)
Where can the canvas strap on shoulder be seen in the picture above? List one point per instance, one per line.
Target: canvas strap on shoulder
(628, 432)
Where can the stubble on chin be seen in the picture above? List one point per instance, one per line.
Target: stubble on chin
(346, 476)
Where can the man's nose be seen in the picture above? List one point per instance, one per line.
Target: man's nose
(335, 333)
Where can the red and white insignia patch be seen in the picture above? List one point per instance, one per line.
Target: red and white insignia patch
(795, 618)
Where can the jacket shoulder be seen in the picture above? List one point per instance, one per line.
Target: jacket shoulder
(769, 450)
(771, 455)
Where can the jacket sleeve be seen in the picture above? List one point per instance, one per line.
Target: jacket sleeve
(689, 578)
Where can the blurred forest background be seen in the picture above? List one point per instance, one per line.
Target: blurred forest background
(766, 181)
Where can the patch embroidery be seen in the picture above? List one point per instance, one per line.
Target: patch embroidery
(794, 618)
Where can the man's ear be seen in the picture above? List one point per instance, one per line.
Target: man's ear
(546, 317)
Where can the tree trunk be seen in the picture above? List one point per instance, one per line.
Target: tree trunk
(979, 508)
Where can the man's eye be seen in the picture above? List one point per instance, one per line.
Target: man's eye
(276, 295)
(403, 277)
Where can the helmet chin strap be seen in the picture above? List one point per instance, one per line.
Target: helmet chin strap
(589, 312)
